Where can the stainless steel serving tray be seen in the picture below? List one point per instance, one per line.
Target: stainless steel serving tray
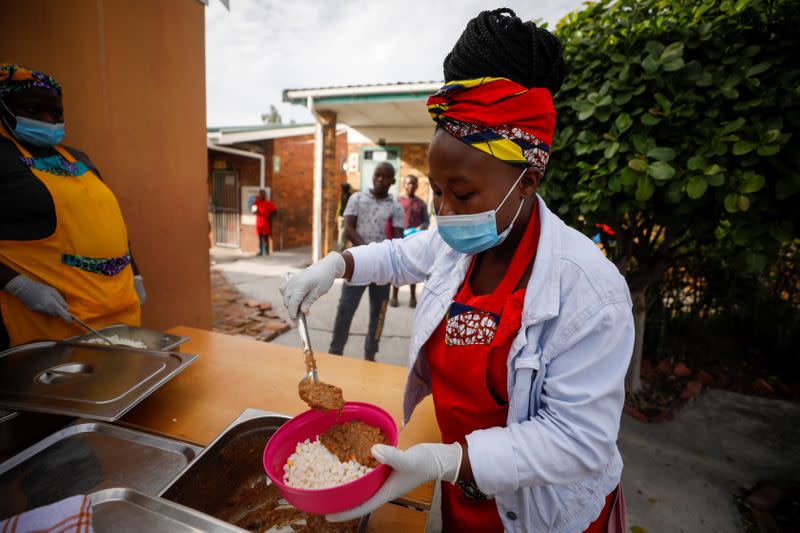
(154, 340)
(83, 380)
(234, 458)
(87, 456)
(122, 510)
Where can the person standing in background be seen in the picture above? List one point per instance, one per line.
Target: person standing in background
(264, 210)
(343, 198)
(365, 220)
(415, 219)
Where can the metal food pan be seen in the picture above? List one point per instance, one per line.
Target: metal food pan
(233, 460)
(83, 380)
(154, 340)
(126, 510)
(87, 456)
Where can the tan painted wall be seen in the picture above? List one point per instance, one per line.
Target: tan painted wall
(133, 74)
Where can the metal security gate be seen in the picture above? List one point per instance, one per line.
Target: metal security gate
(226, 208)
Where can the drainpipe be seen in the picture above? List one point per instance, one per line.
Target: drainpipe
(316, 226)
(243, 153)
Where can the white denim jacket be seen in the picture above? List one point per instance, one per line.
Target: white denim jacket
(552, 466)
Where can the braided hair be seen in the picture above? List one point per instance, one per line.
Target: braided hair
(497, 43)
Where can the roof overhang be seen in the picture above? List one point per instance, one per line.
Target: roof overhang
(393, 112)
(240, 135)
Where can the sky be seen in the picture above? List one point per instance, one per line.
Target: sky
(262, 47)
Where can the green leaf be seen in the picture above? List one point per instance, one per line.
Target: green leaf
(770, 136)
(672, 52)
(696, 162)
(640, 143)
(606, 100)
(704, 79)
(696, 187)
(638, 164)
(654, 48)
(744, 203)
(732, 126)
(614, 184)
(650, 120)
(770, 150)
(715, 180)
(645, 187)
(611, 150)
(755, 70)
(623, 122)
(673, 194)
(732, 203)
(712, 169)
(743, 147)
(661, 171)
(753, 183)
(583, 115)
(649, 64)
(672, 66)
(628, 176)
(752, 262)
(663, 102)
(662, 153)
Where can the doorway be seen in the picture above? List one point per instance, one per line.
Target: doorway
(226, 208)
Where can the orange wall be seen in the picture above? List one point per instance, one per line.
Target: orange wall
(133, 74)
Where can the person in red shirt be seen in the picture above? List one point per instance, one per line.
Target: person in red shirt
(264, 210)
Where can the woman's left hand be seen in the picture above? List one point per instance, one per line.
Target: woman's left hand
(412, 467)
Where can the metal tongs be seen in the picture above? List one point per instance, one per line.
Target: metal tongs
(305, 342)
(90, 328)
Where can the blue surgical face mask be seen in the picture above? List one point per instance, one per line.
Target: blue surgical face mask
(473, 234)
(37, 132)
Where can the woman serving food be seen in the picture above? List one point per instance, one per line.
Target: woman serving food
(523, 332)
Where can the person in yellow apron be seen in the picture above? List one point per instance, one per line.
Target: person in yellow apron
(64, 246)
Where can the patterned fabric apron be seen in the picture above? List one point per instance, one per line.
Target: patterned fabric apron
(87, 258)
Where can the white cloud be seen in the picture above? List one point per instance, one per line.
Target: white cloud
(261, 47)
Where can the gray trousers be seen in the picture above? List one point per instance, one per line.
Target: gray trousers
(348, 303)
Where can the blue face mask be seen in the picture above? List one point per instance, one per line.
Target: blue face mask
(37, 132)
(473, 234)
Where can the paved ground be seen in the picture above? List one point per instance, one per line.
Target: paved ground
(679, 476)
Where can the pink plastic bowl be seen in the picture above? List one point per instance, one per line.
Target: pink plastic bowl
(309, 425)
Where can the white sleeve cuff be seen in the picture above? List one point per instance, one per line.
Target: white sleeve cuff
(492, 459)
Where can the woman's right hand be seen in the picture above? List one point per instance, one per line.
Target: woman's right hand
(38, 297)
(305, 287)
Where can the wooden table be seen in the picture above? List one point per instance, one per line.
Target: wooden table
(235, 372)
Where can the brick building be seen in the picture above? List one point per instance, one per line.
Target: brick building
(278, 158)
(302, 166)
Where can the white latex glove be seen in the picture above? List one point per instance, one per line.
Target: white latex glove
(413, 467)
(138, 286)
(305, 287)
(38, 297)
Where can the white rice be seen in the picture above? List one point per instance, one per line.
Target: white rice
(121, 341)
(312, 466)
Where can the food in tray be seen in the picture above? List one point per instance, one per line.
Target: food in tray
(118, 341)
(321, 395)
(340, 455)
(259, 506)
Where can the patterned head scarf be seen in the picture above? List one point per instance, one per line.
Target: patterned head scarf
(15, 78)
(498, 116)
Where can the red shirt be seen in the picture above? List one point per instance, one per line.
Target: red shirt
(414, 210)
(263, 209)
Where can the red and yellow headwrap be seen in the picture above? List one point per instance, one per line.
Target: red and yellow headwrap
(498, 116)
